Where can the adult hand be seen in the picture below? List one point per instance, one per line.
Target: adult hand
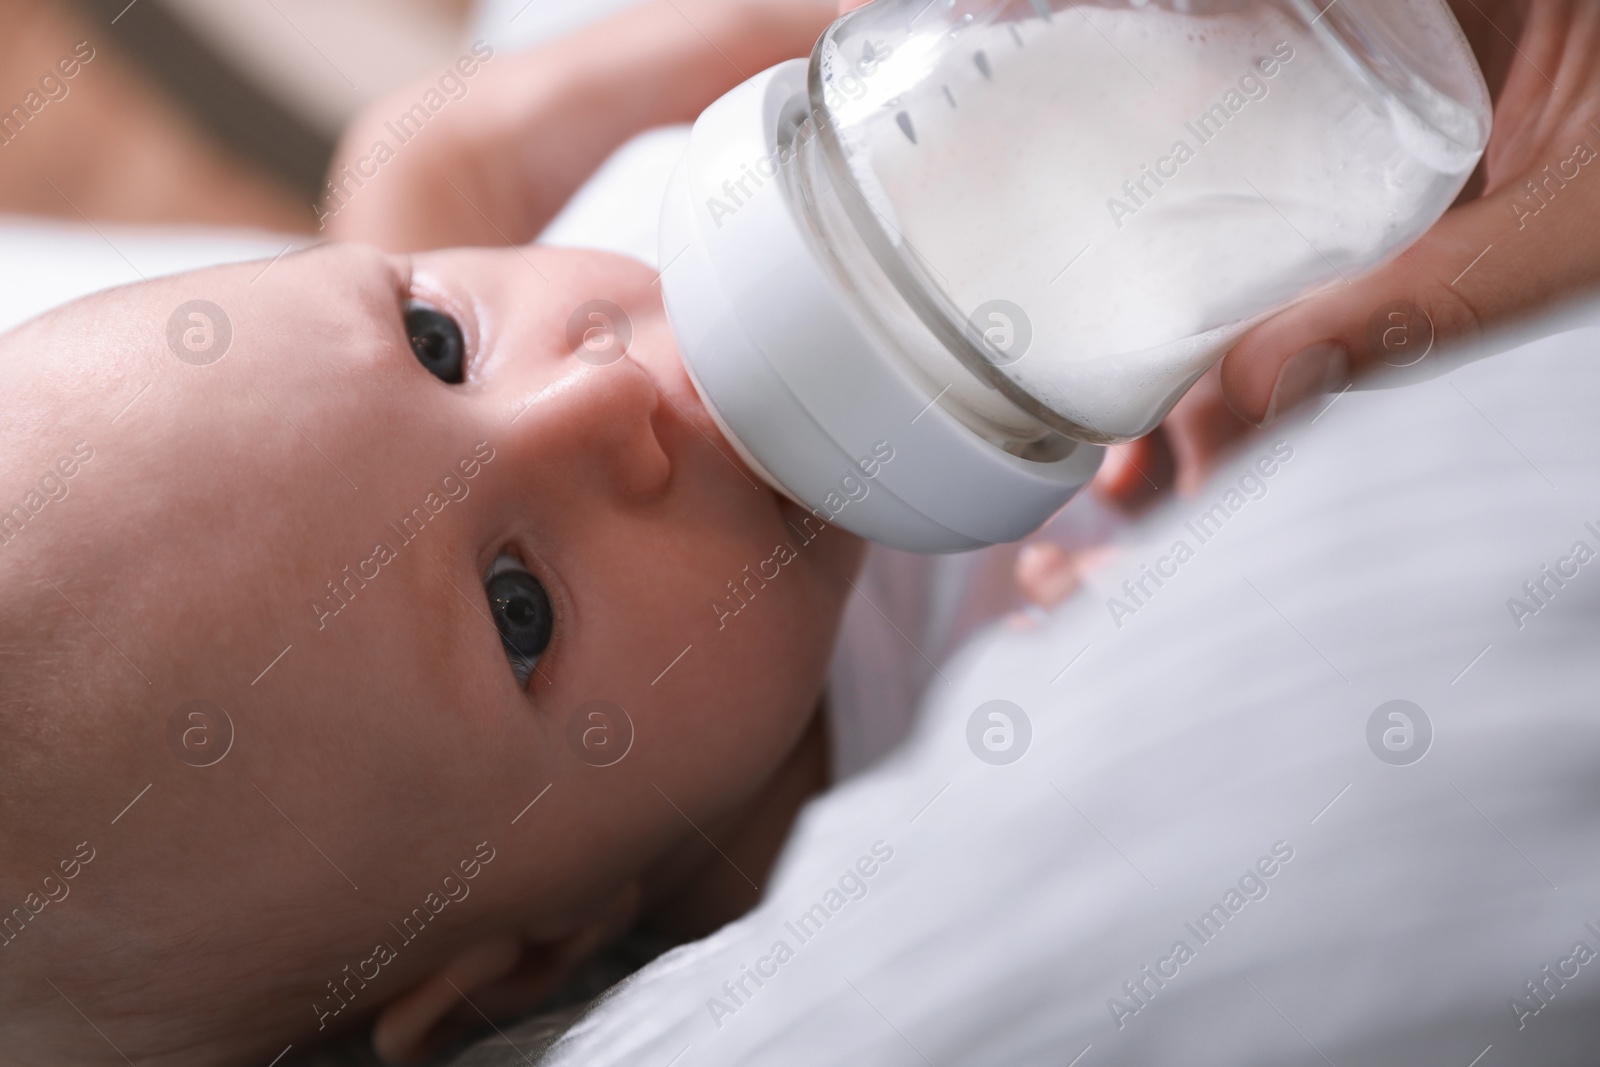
(1522, 237)
(495, 165)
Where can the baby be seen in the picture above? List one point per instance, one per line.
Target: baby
(358, 658)
(369, 664)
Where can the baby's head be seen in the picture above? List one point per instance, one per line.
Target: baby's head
(366, 638)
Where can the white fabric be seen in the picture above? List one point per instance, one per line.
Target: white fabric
(897, 630)
(1226, 718)
(46, 263)
(905, 618)
(619, 208)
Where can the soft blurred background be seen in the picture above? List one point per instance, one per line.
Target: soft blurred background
(220, 111)
(201, 130)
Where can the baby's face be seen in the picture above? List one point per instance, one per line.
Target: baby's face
(427, 584)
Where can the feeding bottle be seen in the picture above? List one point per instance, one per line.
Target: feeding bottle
(920, 279)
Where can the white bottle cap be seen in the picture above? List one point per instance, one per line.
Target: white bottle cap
(800, 383)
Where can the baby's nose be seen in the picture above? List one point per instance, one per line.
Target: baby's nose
(599, 422)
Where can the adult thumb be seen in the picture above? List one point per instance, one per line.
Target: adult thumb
(1518, 249)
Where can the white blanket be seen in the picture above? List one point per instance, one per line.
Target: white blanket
(46, 263)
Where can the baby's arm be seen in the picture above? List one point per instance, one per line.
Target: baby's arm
(496, 165)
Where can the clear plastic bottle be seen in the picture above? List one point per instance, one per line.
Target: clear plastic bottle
(1050, 217)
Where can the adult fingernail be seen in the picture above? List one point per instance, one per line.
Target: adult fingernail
(1322, 368)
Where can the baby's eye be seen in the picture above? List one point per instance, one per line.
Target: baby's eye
(436, 340)
(521, 612)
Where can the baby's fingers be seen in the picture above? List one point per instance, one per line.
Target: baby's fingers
(1516, 250)
(1046, 573)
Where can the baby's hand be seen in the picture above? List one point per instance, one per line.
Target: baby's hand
(496, 165)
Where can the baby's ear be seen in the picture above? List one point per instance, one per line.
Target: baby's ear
(494, 978)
